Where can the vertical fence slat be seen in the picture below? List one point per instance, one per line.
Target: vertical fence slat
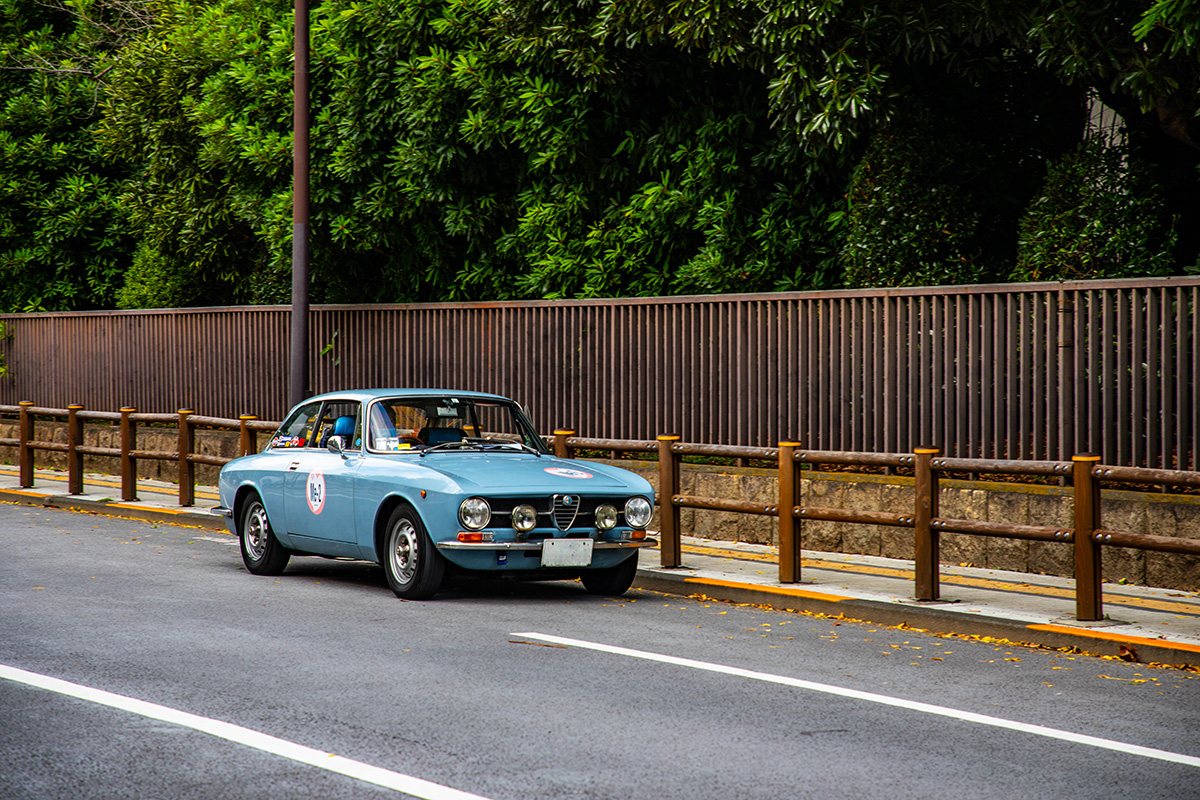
(1153, 408)
(1137, 386)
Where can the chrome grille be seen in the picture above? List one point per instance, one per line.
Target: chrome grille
(565, 509)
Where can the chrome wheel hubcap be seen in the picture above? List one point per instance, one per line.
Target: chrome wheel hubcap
(404, 551)
(255, 535)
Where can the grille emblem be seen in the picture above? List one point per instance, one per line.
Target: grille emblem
(566, 508)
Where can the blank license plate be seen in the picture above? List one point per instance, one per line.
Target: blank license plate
(567, 553)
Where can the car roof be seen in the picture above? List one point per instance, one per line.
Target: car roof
(367, 395)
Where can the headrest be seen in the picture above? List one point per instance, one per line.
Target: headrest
(343, 426)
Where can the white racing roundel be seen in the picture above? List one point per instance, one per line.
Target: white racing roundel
(315, 491)
(564, 472)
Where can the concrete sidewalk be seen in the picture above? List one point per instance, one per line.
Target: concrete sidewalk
(1159, 625)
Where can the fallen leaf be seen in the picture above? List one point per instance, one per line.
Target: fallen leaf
(1124, 680)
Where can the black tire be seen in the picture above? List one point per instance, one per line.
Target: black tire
(261, 551)
(413, 566)
(611, 581)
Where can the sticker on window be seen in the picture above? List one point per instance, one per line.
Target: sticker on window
(563, 472)
(315, 492)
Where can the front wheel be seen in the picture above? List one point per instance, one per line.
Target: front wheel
(261, 551)
(414, 568)
(611, 581)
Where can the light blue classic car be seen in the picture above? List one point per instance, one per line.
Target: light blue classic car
(428, 482)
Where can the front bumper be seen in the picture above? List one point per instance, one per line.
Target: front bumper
(537, 545)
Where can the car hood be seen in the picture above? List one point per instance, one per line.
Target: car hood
(486, 473)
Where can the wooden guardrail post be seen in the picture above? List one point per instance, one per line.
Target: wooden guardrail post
(560, 443)
(128, 462)
(24, 450)
(247, 440)
(789, 524)
(187, 469)
(74, 457)
(668, 512)
(1089, 602)
(926, 558)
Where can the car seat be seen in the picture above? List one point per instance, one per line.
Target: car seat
(432, 436)
(343, 427)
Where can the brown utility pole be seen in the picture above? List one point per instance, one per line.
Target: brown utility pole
(298, 388)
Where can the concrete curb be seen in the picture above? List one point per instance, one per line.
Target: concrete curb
(932, 617)
(195, 519)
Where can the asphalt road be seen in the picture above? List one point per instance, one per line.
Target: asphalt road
(511, 691)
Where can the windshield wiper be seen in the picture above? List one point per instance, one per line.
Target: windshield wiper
(448, 446)
(506, 444)
(482, 445)
(528, 448)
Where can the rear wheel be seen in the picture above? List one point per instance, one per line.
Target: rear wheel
(611, 581)
(413, 566)
(261, 551)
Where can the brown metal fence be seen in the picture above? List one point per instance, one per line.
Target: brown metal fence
(1019, 371)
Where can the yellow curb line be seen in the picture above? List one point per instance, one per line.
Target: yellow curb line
(24, 493)
(1061, 629)
(788, 592)
(108, 484)
(1116, 637)
(137, 507)
(1115, 598)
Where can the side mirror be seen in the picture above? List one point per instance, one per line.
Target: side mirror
(336, 444)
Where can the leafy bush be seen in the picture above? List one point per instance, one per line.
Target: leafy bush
(910, 223)
(1100, 214)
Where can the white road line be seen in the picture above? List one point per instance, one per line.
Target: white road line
(236, 733)
(942, 711)
(229, 542)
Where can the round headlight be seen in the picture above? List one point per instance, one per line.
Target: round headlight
(638, 512)
(474, 513)
(524, 517)
(606, 517)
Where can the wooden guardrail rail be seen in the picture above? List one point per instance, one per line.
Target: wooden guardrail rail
(185, 420)
(1085, 473)
(1087, 536)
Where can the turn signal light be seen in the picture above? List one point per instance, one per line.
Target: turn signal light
(463, 536)
(637, 536)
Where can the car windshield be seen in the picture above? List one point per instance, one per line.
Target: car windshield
(449, 423)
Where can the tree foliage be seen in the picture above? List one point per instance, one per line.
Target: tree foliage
(1101, 214)
(62, 241)
(199, 106)
(498, 149)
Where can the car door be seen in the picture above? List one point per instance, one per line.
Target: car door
(318, 490)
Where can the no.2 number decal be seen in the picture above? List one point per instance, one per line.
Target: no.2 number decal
(564, 472)
(315, 491)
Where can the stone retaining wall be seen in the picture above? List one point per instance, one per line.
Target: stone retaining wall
(1022, 504)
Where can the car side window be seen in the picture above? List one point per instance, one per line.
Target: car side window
(339, 418)
(297, 430)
